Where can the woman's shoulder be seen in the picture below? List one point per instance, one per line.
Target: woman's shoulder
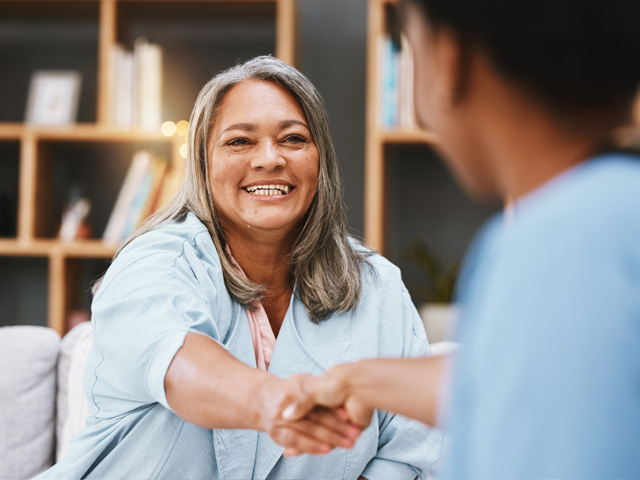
(376, 269)
(170, 239)
(176, 244)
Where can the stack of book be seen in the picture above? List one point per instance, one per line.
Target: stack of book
(136, 86)
(397, 83)
(139, 196)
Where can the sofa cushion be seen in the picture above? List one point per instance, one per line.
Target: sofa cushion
(73, 407)
(28, 361)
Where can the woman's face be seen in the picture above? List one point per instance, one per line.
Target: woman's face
(263, 160)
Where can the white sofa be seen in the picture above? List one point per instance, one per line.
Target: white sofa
(42, 403)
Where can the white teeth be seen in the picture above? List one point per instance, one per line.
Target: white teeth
(268, 189)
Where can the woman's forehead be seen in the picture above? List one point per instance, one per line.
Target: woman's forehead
(252, 101)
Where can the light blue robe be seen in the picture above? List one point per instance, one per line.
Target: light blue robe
(169, 282)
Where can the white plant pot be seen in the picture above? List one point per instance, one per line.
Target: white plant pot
(439, 320)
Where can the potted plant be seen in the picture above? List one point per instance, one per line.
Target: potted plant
(436, 309)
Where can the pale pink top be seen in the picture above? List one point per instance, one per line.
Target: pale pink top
(262, 334)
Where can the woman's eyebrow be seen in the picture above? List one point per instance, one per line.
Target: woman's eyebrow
(245, 127)
(288, 123)
(251, 127)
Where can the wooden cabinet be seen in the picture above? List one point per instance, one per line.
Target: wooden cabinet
(40, 165)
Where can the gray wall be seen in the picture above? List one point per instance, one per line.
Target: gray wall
(332, 53)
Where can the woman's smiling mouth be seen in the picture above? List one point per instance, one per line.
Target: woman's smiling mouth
(268, 189)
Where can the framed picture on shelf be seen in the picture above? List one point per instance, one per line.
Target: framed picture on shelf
(53, 97)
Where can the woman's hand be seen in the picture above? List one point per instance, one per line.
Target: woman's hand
(208, 387)
(317, 431)
(333, 391)
(408, 386)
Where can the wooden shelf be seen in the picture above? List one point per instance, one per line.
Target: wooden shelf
(406, 136)
(16, 248)
(44, 248)
(81, 35)
(11, 131)
(81, 132)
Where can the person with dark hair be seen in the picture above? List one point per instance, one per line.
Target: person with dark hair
(526, 99)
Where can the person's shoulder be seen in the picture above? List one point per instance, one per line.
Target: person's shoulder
(170, 239)
(612, 180)
(157, 253)
(370, 257)
(376, 270)
(597, 198)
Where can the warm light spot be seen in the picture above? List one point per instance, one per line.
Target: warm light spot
(182, 127)
(183, 150)
(168, 128)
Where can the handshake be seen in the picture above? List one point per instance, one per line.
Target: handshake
(315, 414)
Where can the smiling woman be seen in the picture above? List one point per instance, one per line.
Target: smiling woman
(212, 316)
(263, 178)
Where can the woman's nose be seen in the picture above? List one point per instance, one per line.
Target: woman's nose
(268, 157)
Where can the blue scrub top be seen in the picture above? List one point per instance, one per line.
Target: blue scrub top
(168, 282)
(547, 384)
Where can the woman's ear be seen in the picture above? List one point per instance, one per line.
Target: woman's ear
(453, 64)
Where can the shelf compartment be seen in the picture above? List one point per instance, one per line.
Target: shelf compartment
(96, 168)
(198, 40)
(39, 35)
(77, 275)
(426, 202)
(9, 171)
(23, 290)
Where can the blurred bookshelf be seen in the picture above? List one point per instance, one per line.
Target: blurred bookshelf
(45, 278)
(389, 115)
(409, 192)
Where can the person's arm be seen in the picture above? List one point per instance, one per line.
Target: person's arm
(407, 386)
(208, 387)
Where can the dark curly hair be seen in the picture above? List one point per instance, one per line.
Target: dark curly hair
(574, 56)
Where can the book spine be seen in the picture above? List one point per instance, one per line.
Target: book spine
(159, 169)
(116, 225)
(149, 84)
(390, 85)
(125, 94)
(406, 106)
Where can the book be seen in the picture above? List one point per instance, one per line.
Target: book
(158, 175)
(406, 110)
(135, 180)
(135, 85)
(390, 84)
(148, 59)
(123, 87)
(397, 83)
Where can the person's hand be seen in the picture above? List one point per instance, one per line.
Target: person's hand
(318, 431)
(332, 390)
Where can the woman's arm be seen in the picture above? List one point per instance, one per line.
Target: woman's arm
(408, 386)
(208, 387)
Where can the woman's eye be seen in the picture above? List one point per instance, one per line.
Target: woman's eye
(295, 139)
(236, 142)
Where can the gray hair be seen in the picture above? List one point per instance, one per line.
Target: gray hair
(323, 261)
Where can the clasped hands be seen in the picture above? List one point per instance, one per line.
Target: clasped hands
(315, 414)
